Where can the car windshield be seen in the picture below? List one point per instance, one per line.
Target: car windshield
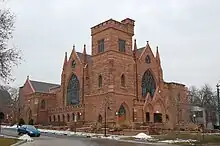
(30, 127)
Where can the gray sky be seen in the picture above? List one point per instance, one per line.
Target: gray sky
(186, 31)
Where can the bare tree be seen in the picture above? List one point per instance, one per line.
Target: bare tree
(205, 97)
(9, 56)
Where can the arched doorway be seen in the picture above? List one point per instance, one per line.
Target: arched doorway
(121, 114)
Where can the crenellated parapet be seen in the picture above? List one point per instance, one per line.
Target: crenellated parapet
(174, 85)
(126, 25)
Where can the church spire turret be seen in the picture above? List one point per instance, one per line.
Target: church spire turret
(84, 55)
(65, 60)
(73, 50)
(135, 50)
(158, 56)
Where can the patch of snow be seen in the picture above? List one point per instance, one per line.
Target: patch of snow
(26, 138)
(142, 136)
(177, 141)
(9, 127)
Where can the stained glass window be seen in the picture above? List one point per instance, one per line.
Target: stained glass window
(73, 91)
(148, 84)
(147, 59)
(121, 111)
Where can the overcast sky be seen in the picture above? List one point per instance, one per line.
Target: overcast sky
(186, 31)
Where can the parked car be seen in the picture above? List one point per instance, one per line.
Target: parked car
(29, 130)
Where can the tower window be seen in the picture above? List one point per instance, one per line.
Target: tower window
(100, 81)
(123, 80)
(121, 44)
(101, 46)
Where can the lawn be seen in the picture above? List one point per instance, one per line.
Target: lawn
(7, 141)
(201, 139)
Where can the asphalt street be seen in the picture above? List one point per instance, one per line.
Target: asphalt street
(58, 140)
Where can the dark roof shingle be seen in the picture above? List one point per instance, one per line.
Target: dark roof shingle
(81, 56)
(42, 86)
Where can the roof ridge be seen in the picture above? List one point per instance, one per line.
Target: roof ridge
(82, 53)
(44, 82)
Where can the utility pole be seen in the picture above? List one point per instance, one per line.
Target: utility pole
(105, 115)
(218, 103)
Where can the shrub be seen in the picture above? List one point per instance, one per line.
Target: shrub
(31, 122)
(21, 122)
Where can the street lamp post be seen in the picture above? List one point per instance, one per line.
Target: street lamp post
(105, 114)
(194, 118)
(75, 120)
(218, 103)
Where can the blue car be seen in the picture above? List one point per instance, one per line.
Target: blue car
(29, 130)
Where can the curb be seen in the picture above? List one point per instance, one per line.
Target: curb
(19, 143)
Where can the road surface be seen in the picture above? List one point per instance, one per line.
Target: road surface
(58, 140)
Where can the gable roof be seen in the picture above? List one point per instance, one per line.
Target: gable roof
(5, 97)
(42, 87)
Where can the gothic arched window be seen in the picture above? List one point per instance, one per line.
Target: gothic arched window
(121, 111)
(148, 84)
(100, 81)
(123, 80)
(43, 104)
(147, 59)
(73, 91)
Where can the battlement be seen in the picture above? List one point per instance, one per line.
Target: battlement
(128, 21)
(175, 85)
(126, 25)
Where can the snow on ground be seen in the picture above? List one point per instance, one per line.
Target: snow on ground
(177, 141)
(26, 137)
(142, 136)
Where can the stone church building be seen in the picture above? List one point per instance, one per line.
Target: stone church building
(118, 82)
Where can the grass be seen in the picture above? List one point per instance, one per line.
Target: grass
(7, 141)
(200, 139)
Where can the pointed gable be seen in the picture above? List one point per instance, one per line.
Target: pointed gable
(147, 51)
(42, 87)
